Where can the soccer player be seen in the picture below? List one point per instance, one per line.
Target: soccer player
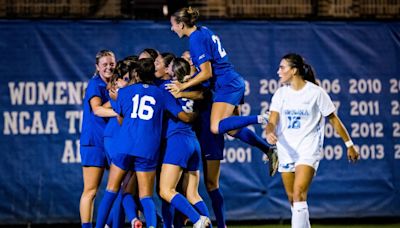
(124, 203)
(211, 61)
(183, 152)
(95, 118)
(296, 125)
(137, 145)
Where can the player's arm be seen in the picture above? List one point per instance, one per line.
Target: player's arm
(192, 95)
(99, 110)
(352, 153)
(187, 117)
(270, 128)
(204, 74)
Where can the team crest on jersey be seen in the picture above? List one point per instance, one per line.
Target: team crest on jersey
(145, 86)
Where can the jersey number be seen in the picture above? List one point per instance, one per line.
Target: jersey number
(141, 107)
(294, 122)
(221, 50)
(188, 108)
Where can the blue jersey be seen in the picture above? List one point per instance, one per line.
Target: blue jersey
(206, 46)
(142, 107)
(92, 125)
(175, 125)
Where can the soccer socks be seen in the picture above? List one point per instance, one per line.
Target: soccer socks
(129, 206)
(300, 215)
(104, 208)
(249, 137)
(181, 203)
(167, 211)
(87, 225)
(117, 212)
(236, 122)
(201, 207)
(149, 210)
(218, 206)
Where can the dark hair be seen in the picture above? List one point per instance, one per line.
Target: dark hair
(187, 15)
(146, 70)
(152, 52)
(131, 58)
(167, 58)
(304, 70)
(124, 66)
(100, 55)
(181, 68)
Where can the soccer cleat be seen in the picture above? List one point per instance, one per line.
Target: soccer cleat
(272, 155)
(203, 222)
(136, 223)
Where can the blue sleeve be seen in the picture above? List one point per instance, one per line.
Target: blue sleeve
(171, 104)
(199, 48)
(117, 105)
(92, 90)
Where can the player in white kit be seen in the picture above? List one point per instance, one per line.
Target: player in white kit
(296, 125)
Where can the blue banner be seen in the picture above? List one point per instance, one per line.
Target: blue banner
(45, 66)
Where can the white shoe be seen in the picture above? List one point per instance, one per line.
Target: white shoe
(203, 222)
(136, 223)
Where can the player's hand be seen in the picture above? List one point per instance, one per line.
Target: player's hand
(174, 87)
(113, 94)
(176, 94)
(352, 154)
(186, 78)
(272, 138)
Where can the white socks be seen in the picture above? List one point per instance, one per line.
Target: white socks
(300, 216)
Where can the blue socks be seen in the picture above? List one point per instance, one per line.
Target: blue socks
(167, 211)
(201, 207)
(181, 203)
(87, 225)
(116, 218)
(236, 122)
(149, 210)
(129, 206)
(218, 207)
(104, 208)
(251, 138)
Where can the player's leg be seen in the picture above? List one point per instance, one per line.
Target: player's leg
(170, 175)
(129, 187)
(91, 181)
(113, 185)
(303, 177)
(146, 188)
(211, 176)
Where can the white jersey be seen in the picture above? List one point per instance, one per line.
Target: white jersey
(300, 129)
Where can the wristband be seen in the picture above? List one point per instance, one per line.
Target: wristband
(349, 144)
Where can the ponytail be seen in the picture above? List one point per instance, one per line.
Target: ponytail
(187, 15)
(304, 69)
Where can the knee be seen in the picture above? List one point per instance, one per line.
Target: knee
(166, 193)
(214, 129)
(89, 193)
(211, 184)
(299, 194)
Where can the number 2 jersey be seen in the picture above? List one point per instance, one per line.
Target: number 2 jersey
(143, 107)
(206, 46)
(300, 129)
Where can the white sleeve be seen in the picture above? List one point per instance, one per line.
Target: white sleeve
(276, 101)
(325, 103)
